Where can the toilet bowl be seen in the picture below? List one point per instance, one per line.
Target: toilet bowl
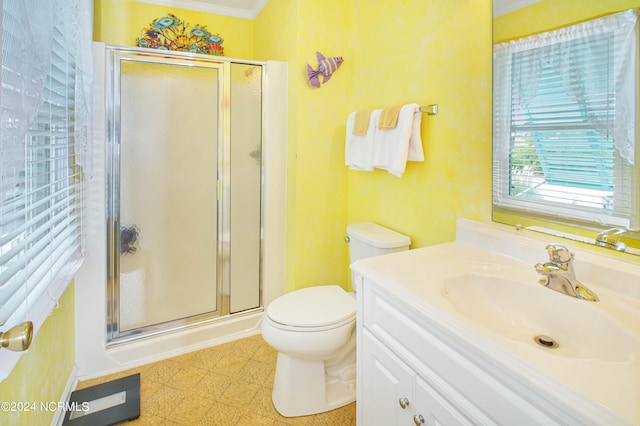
(313, 330)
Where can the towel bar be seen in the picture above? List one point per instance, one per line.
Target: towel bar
(429, 109)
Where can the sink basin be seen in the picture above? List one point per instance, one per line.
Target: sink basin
(511, 303)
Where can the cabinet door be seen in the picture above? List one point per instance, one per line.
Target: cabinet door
(387, 385)
(433, 409)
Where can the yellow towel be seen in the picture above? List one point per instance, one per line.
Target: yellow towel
(361, 122)
(389, 117)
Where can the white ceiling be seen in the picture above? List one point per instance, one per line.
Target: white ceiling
(249, 9)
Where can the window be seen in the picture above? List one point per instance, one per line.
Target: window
(564, 114)
(43, 129)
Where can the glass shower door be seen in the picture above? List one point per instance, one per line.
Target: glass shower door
(165, 168)
(245, 182)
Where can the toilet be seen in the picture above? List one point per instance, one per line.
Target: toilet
(313, 330)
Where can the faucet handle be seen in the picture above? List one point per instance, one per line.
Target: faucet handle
(559, 253)
(545, 270)
(611, 239)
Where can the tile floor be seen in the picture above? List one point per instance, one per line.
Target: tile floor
(224, 385)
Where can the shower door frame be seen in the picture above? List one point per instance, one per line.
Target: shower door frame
(116, 54)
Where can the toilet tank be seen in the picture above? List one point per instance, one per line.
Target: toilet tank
(368, 239)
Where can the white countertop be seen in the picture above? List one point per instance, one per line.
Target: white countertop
(604, 389)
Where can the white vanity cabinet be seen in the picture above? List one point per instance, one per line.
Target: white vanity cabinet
(446, 334)
(410, 373)
(397, 394)
(388, 385)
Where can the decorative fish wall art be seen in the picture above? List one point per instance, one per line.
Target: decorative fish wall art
(171, 33)
(326, 68)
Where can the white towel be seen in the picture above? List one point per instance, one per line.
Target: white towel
(392, 148)
(358, 153)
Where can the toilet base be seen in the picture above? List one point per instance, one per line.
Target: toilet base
(302, 387)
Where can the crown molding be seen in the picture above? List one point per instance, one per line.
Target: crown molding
(259, 5)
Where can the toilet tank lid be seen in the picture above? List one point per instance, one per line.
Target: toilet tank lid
(377, 235)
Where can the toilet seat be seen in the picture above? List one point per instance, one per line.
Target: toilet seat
(312, 309)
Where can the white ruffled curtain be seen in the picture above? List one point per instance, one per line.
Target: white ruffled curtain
(554, 49)
(27, 36)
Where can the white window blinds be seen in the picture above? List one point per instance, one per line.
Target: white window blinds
(564, 122)
(40, 179)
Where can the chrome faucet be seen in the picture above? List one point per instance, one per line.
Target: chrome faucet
(611, 239)
(558, 274)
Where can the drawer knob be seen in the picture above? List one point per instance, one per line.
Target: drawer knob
(404, 403)
(418, 419)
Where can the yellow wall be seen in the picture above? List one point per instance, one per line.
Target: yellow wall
(293, 31)
(42, 373)
(121, 22)
(550, 14)
(321, 177)
(413, 51)
(395, 52)
(436, 52)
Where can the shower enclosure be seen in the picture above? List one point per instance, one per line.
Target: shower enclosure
(184, 190)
